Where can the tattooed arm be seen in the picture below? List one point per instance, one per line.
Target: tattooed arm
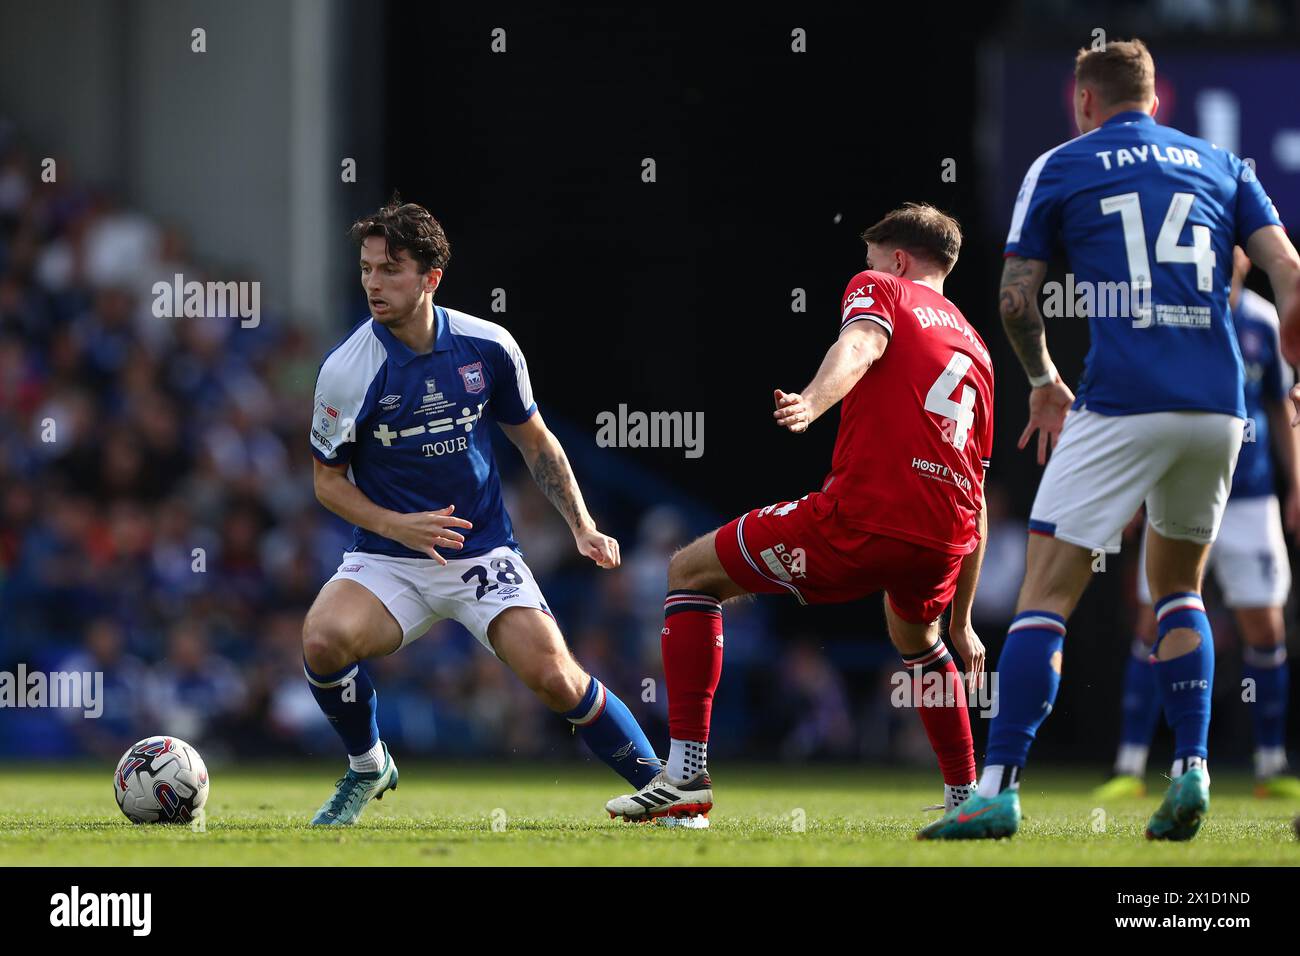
(550, 467)
(1018, 305)
(1051, 398)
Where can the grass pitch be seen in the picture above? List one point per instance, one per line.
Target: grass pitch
(553, 815)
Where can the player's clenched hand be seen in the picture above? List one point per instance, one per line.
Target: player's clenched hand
(426, 530)
(971, 651)
(1295, 400)
(792, 411)
(1048, 405)
(601, 548)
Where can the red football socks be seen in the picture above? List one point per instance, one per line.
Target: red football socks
(691, 642)
(940, 696)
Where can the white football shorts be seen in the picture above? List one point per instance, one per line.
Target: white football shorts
(418, 592)
(1105, 466)
(1249, 558)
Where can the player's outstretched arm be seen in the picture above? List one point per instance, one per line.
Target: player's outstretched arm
(964, 640)
(858, 346)
(1051, 398)
(1269, 248)
(423, 531)
(550, 467)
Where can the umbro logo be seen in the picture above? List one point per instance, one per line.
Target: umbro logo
(388, 401)
(624, 751)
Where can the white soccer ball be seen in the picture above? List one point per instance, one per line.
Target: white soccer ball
(161, 780)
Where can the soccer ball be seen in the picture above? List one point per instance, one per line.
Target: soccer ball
(161, 780)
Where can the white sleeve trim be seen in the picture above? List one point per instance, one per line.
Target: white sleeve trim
(1026, 194)
(341, 387)
(878, 319)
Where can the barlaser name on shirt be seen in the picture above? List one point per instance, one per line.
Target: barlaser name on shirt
(1179, 156)
(929, 318)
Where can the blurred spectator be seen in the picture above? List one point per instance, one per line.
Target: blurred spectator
(124, 697)
(193, 691)
(812, 692)
(1003, 570)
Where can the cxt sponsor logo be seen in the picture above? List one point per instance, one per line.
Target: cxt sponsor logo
(859, 298)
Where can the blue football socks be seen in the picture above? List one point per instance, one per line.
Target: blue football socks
(612, 733)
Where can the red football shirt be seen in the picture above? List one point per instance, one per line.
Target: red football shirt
(916, 431)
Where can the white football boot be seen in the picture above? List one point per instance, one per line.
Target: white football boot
(662, 798)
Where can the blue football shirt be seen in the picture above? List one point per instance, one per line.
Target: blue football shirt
(413, 428)
(1147, 206)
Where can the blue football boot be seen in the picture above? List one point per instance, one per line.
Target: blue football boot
(353, 791)
(1186, 803)
(978, 818)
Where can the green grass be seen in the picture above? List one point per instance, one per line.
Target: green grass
(553, 815)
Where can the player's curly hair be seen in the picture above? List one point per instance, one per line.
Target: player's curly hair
(406, 227)
(922, 230)
(1120, 71)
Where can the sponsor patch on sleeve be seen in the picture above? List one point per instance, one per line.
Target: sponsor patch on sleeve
(327, 418)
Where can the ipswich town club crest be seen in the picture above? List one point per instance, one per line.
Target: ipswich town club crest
(473, 377)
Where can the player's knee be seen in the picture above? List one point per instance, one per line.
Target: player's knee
(1266, 635)
(677, 571)
(559, 682)
(1047, 593)
(563, 688)
(1272, 639)
(1174, 585)
(326, 645)
(684, 573)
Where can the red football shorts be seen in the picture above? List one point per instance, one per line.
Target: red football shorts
(799, 547)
